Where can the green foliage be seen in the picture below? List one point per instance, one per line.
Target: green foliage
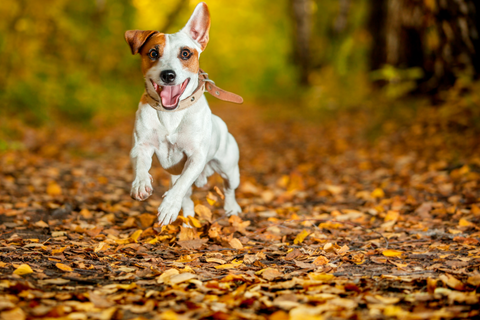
(61, 58)
(399, 81)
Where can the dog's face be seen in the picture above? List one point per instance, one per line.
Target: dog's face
(170, 61)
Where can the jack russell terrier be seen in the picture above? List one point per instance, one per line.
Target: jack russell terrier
(174, 120)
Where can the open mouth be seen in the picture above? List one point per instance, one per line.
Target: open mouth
(170, 95)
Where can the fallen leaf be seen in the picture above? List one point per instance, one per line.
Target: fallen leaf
(23, 269)
(165, 276)
(236, 244)
(54, 189)
(203, 212)
(270, 274)
(378, 193)
(63, 267)
(136, 235)
(301, 236)
(182, 277)
(465, 223)
(320, 261)
(392, 253)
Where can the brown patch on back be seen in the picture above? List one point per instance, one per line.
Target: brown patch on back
(191, 64)
(157, 40)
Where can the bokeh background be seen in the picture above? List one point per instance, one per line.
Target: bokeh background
(67, 62)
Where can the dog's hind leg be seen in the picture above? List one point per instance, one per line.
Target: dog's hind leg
(226, 165)
(231, 181)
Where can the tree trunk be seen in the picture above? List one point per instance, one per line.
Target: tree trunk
(440, 36)
(302, 18)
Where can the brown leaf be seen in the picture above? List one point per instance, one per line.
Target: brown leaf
(203, 212)
(271, 274)
(192, 244)
(293, 254)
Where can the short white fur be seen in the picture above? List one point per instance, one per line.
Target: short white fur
(191, 144)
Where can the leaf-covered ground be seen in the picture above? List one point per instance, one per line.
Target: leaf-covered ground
(335, 225)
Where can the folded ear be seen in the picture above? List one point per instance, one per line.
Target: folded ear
(198, 25)
(137, 38)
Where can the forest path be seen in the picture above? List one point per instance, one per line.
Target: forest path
(334, 225)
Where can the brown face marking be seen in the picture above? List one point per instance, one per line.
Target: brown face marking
(144, 99)
(190, 64)
(136, 38)
(156, 42)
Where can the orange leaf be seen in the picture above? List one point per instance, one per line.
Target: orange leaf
(378, 193)
(465, 223)
(63, 267)
(54, 189)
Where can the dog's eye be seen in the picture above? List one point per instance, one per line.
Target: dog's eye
(153, 54)
(185, 54)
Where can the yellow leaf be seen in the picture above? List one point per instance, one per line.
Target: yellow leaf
(122, 241)
(63, 267)
(234, 264)
(194, 222)
(392, 215)
(57, 251)
(54, 189)
(23, 269)
(126, 286)
(464, 223)
(378, 193)
(325, 277)
(392, 253)
(211, 198)
(301, 236)
(153, 241)
(136, 235)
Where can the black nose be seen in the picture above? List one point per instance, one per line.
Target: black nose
(167, 76)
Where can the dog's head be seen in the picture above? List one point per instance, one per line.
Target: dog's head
(170, 61)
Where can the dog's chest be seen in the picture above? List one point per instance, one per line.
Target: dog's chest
(170, 149)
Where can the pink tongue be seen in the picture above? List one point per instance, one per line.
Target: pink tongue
(170, 95)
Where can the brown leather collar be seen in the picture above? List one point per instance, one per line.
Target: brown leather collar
(203, 83)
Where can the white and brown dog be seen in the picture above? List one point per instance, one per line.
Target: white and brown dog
(174, 120)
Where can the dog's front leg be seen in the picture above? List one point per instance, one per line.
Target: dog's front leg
(172, 201)
(141, 156)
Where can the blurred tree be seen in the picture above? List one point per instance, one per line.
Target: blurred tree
(439, 36)
(302, 13)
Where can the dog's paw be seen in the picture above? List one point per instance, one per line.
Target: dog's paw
(168, 210)
(142, 188)
(232, 208)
